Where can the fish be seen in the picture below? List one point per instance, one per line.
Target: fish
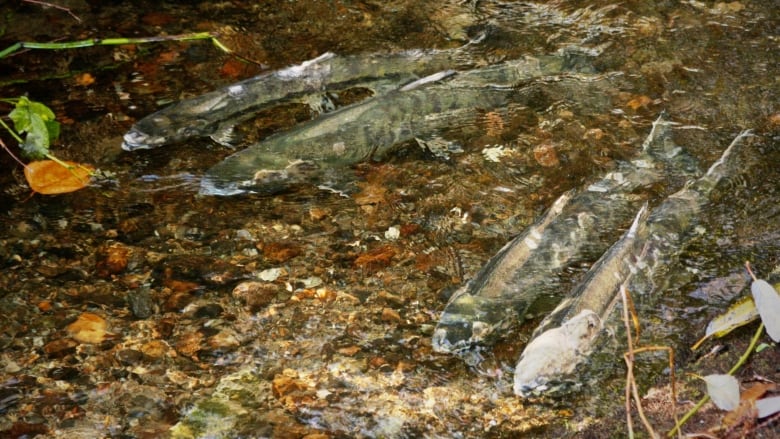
(567, 335)
(211, 114)
(311, 82)
(595, 291)
(500, 294)
(652, 242)
(368, 130)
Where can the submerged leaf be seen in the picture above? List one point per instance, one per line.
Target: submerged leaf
(739, 314)
(88, 328)
(724, 391)
(768, 305)
(49, 177)
(768, 406)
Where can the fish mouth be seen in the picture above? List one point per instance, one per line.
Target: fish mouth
(459, 337)
(134, 139)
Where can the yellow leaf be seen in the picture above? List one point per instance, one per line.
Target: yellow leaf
(741, 313)
(639, 101)
(49, 177)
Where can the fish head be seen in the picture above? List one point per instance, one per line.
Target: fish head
(549, 358)
(460, 337)
(469, 322)
(158, 129)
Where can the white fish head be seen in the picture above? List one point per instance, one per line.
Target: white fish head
(555, 353)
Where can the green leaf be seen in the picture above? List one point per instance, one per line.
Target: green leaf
(53, 127)
(41, 110)
(37, 120)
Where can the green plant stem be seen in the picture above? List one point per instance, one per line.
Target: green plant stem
(733, 370)
(103, 42)
(117, 41)
(11, 131)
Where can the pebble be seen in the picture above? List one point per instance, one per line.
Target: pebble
(546, 156)
(390, 315)
(256, 295)
(140, 302)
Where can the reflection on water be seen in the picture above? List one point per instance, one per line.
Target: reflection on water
(334, 331)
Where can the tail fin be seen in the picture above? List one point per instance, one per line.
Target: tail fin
(660, 146)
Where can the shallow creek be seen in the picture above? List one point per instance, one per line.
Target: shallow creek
(138, 308)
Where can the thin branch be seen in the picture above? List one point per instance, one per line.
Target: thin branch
(52, 5)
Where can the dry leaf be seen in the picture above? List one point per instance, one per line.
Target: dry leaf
(638, 102)
(85, 79)
(747, 405)
(88, 328)
(49, 177)
(376, 258)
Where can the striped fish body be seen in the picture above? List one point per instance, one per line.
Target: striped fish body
(365, 131)
(210, 113)
(652, 242)
(369, 129)
(503, 290)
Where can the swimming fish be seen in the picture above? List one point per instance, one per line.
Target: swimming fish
(567, 334)
(216, 111)
(531, 264)
(368, 130)
(652, 242)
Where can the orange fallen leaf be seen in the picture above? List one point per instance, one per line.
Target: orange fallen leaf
(88, 328)
(746, 411)
(49, 177)
(84, 79)
(376, 258)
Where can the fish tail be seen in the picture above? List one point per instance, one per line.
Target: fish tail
(726, 164)
(660, 145)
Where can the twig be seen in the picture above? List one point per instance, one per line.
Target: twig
(747, 265)
(52, 5)
(2, 144)
(629, 358)
(673, 380)
(630, 381)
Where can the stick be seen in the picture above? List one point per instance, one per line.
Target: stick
(630, 381)
(52, 5)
